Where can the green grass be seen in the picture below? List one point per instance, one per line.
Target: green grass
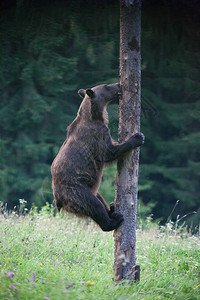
(63, 257)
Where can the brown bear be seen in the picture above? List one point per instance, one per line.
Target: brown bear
(77, 169)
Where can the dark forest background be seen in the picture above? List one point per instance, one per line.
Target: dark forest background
(50, 49)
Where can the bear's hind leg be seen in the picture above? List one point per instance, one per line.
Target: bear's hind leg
(96, 210)
(109, 210)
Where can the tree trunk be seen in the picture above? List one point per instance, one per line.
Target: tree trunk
(129, 123)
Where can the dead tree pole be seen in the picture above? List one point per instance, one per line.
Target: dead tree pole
(129, 123)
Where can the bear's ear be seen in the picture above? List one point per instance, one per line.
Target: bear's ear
(90, 93)
(81, 93)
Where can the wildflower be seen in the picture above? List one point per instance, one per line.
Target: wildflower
(33, 276)
(22, 201)
(196, 286)
(82, 282)
(10, 274)
(143, 249)
(13, 287)
(46, 298)
(90, 283)
(70, 285)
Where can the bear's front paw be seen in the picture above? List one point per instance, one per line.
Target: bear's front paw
(137, 139)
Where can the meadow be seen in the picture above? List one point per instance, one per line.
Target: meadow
(54, 256)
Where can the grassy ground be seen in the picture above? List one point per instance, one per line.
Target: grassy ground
(46, 257)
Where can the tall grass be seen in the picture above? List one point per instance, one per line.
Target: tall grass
(43, 256)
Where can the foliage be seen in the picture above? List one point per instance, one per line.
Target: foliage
(49, 51)
(42, 63)
(63, 257)
(170, 83)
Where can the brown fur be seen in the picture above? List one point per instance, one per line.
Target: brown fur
(77, 169)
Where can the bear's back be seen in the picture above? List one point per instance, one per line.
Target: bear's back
(80, 155)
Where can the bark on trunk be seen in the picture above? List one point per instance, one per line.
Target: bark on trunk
(129, 123)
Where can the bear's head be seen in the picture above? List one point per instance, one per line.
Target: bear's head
(102, 94)
(97, 98)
